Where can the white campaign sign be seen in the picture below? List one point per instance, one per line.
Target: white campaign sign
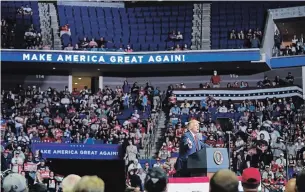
(187, 185)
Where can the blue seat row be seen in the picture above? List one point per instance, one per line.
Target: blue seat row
(129, 25)
(226, 16)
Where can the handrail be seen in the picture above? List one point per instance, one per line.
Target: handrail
(201, 32)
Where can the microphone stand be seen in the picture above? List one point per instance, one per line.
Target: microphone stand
(229, 148)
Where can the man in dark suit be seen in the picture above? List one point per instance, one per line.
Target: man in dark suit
(189, 144)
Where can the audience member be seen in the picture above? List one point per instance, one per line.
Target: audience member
(89, 184)
(15, 182)
(251, 179)
(156, 180)
(69, 182)
(224, 181)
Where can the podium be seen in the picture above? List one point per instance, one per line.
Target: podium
(207, 161)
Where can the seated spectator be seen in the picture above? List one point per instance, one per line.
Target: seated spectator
(128, 49)
(102, 48)
(172, 35)
(179, 36)
(249, 34)
(30, 39)
(27, 10)
(177, 48)
(232, 34)
(241, 35)
(84, 43)
(266, 82)
(120, 49)
(65, 30)
(185, 47)
(94, 48)
(294, 40)
(69, 47)
(93, 43)
(20, 10)
(243, 84)
(103, 41)
(255, 42)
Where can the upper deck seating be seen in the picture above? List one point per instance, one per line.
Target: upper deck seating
(226, 16)
(145, 28)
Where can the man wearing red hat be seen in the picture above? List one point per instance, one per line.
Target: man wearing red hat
(251, 179)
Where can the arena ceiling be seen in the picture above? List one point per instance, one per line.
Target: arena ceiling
(138, 70)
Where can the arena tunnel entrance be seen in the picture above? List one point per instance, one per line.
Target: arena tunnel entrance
(111, 171)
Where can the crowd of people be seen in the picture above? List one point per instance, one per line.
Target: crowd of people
(31, 114)
(267, 134)
(252, 39)
(32, 39)
(7, 34)
(288, 48)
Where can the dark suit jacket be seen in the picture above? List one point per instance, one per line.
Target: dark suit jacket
(185, 151)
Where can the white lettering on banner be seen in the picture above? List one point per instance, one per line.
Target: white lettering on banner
(126, 59)
(80, 58)
(109, 153)
(88, 152)
(45, 151)
(37, 57)
(65, 152)
(100, 59)
(166, 58)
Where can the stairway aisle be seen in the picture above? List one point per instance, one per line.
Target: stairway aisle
(45, 23)
(55, 26)
(201, 26)
(159, 135)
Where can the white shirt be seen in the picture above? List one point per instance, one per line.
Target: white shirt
(133, 166)
(223, 109)
(16, 162)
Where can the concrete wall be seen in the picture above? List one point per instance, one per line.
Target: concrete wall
(11, 81)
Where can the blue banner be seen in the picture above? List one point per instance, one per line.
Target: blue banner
(82, 57)
(289, 61)
(78, 151)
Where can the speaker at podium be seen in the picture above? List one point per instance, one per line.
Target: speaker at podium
(207, 161)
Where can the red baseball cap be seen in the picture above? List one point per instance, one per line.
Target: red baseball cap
(251, 176)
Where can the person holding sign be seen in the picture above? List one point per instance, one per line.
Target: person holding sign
(189, 144)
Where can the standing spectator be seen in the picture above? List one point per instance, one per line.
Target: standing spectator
(215, 80)
(131, 152)
(69, 182)
(179, 36)
(251, 179)
(290, 78)
(51, 182)
(255, 43)
(156, 180)
(16, 182)
(277, 42)
(65, 30)
(93, 43)
(128, 49)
